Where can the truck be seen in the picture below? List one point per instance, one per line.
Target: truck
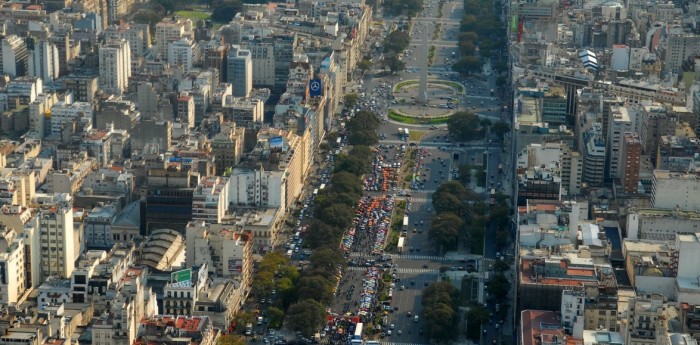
(492, 197)
(260, 320)
(500, 168)
(399, 247)
(491, 92)
(248, 328)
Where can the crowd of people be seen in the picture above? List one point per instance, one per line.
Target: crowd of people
(418, 180)
(368, 296)
(383, 176)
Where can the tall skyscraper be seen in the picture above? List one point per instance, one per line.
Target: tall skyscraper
(631, 157)
(43, 61)
(58, 245)
(239, 66)
(14, 56)
(115, 66)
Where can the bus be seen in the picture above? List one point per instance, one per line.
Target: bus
(492, 198)
(323, 185)
(400, 246)
(358, 332)
(405, 222)
(316, 191)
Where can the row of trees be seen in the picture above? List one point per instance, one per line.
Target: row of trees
(467, 126)
(333, 213)
(457, 208)
(394, 44)
(408, 8)
(480, 29)
(441, 312)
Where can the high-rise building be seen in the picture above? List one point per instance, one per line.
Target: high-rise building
(227, 146)
(184, 53)
(43, 61)
(284, 56)
(680, 45)
(239, 71)
(115, 66)
(620, 124)
(12, 266)
(594, 156)
(215, 57)
(571, 170)
(185, 109)
(138, 35)
(210, 199)
(630, 160)
(170, 30)
(57, 240)
(14, 56)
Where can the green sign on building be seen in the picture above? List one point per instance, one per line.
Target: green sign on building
(181, 276)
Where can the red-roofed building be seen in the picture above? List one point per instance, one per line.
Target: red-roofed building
(541, 327)
(170, 330)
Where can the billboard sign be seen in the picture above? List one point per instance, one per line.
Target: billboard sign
(315, 87)
(276, 142)
(181, 276)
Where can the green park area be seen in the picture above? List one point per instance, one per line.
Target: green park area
(194, 15)
(399, 117)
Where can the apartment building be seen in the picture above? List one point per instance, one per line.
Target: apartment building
(210, 199)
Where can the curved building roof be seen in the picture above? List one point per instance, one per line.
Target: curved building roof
(162, 249)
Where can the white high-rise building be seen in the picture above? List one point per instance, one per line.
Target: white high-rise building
(12, 268)
(115, 66)
(43, 61)
(239, 70)
(210, 199)
(14, 56)
(620, 124)
(184, 53)
(58, 252)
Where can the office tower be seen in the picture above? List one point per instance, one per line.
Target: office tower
(57, 241)
(115, 66)
(43, 61)
(620, 124)
(183, 53)
(593, 156)
(630, 160)
(239, 71)
(14, 56)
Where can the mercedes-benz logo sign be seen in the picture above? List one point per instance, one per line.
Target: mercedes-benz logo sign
(315, 86)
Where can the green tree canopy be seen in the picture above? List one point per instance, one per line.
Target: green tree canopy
(325, 261)
(337, 215)
(322, 235)
(500, 128)
(465, 126)
(446, 230)
(224, 11)
(394, 64)
(467, 64)
(318, 288)
(363, 137)
(499, 286)
(350, 100)
(306, 316)
(344, 182)
(396, 41)
(406, 7)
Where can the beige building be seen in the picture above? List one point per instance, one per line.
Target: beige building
(210, 199)
(170, 30)
(264, 225)
(224, 248)
(227, 147)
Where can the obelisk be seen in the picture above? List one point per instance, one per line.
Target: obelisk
(423, 83)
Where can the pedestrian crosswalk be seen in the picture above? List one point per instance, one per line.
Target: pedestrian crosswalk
(422, 199)
(393, 343)
(418, 257)
(402, 270)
